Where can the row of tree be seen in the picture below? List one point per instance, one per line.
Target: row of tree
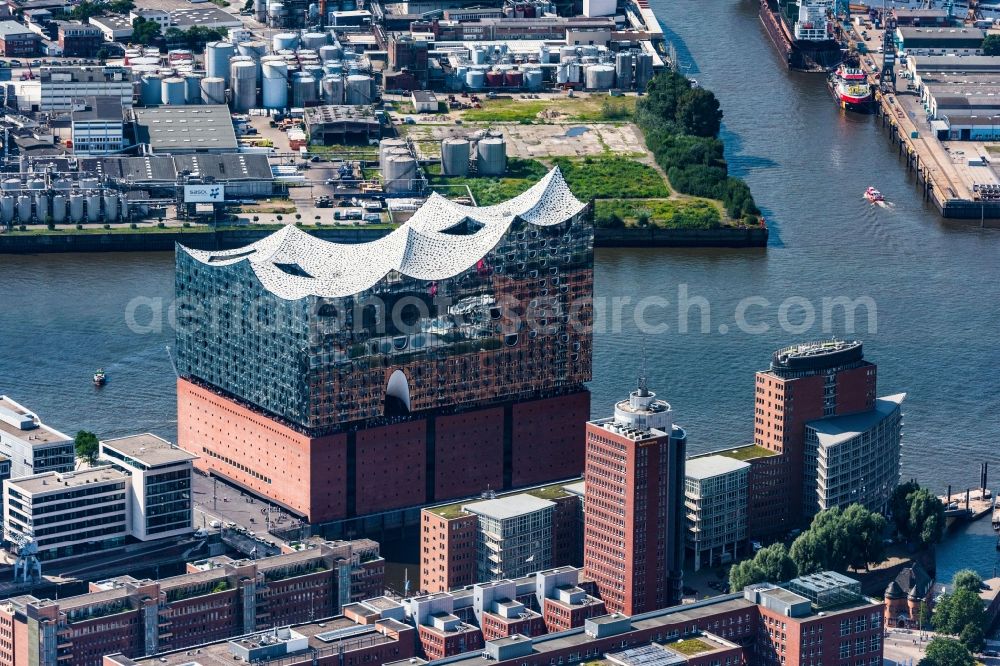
(681, 124)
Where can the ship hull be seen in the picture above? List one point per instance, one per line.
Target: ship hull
(797, 54)
(853, 104)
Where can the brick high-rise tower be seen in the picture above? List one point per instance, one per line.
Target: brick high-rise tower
(633, 545)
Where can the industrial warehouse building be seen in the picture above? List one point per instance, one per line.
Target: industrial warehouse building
(242, 174)
(338, 124)
(931, 41)
(180, 129)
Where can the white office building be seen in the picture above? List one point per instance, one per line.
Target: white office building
(68, 513)
(854, 459)
(715, 503)
(98, 126)
(32, 446)
(159, 484)
(60, 87)
(514, 536)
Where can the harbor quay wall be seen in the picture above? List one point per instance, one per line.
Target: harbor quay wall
(221, 239)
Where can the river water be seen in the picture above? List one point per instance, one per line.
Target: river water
(932, 285)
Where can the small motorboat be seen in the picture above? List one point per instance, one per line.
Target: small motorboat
(874, 195)
(100, 377)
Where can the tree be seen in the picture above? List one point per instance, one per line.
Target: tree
(838, 539)
(864, 530)
(84, 10)
(972, 637)
(698, 112)
(144, 31)
(771, 565)
(120, 6)
(947, 652)
(900, 504)
(991, 45)
(917, 514)
(925, 616)
(86, 446)
(102, 55)
(967, 579)
(956, 611)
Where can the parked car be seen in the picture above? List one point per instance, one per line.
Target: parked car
(215, 524)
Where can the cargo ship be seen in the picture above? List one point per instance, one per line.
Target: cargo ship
(851, 89)
(809, 42)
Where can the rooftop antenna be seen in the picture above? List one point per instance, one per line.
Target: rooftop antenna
(643, 388)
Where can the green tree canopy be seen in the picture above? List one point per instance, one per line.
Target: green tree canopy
(917, 514)
(947, 652)
(839, 539)
(771, 565)
(900, 504)
(967, 579)
(698, 113)
(145, 31)
(991, 45)
(86, 446)
(955, 611)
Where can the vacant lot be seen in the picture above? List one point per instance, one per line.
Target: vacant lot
(583, 108)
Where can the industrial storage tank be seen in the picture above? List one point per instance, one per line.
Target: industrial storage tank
(314, 40)
(475, 79)
(330, 52)
(274, 89)
(574, 72)
(75, 207)
(588, 50)
(600, 77)
(359, 89)
(285, 40)
(41, 206)
(567, 53)
(217, 56)
(623, 70)
(494, 79)
(213, 90)
(89, 183)
(399, 173)
(533, 79)
(36, 184)
(174, 91)
(275, 11)
(93, 207)
(11, 184)
(455, 157)
(123, 204)
(24, 208)
(254, 49)
(513, 78)
(151, 90)
(491, 156)
(303, 90)
(192, 92)
(62, 184)
(260, 10)
(333, 90)
(110, 205)
(478, 55)
(58, 208)
(643, 71)
(6, 208)
(244, 75)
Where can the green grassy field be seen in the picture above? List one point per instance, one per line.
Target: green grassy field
(608, 176)
(589, 108)
(660, 213)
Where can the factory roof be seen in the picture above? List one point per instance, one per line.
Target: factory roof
(511, 506)
(940, 34)
(422, 248)
(204, 16)
(148, 449)
(955, 63)
(839, 429)
(100, 108)
(14, 29)
(186, 128)
(712, 466)
(112, 22)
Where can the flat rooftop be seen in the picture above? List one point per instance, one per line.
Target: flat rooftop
(40, 435)
(839, 429)
(746, 452)
(103, 108)
(187, 128)
(708, 467)
(14, 29)
(510, 506)
(56, 482)
(149, 449)
(551, 491)
(206, 16)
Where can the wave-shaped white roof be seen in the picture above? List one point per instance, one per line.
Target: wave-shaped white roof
(420, 249)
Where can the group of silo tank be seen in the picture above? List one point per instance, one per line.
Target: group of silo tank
(485, 152)
(84, 200)
(172, 82)
(398, 166)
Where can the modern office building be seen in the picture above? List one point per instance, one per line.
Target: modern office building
(854, 459)
(215, 600)
(59, 87)
(345, 380)
(30, 446)
(17, 40)
(805, 383)
(455, 537)
(715, 501)
(67, 513)
(633, 544)
(98, 126)
(159, 484)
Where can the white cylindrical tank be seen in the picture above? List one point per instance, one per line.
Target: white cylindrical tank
(75, 207)
(36, 184)
(533, 79)
(359, 89)
(491, 156)
(62, 184)
(11, 184)
(244, 75)
(192, 92)
(399, 174)
(151, 90)
(24, 208)
(285, 40)
(213, 90)
(455, 157)
(274, 89)
(6, 208)
(574, 72)
(59, 208)
(333, 90)
(89, 183)
(174, 91)
(314, 40)
(217, 55)
(475, 79)
(588, 50)
(303, 90)
(275, 10)
(600, 77)
(93, 207)
(567, 53)
(330, 52)
(255, 49)
(123, 204)
(110, 205)
(41, 206)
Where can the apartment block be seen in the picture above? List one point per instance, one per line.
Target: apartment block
(565, 605)
(715, 501)
(31, 446)
(441, 632)
(500, 614)
(217, 599)
(462, 543)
